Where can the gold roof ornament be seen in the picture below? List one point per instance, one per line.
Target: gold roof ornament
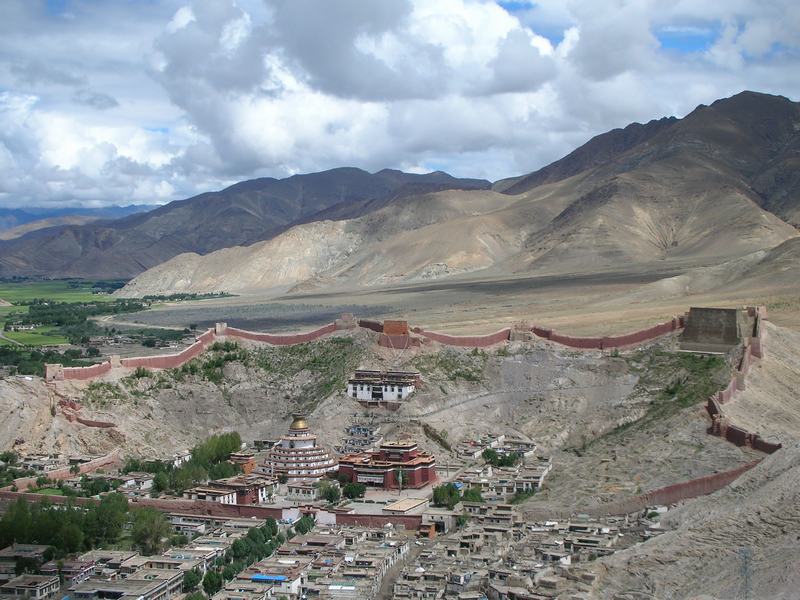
(299, 422)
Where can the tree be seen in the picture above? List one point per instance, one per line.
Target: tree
(191, 579)
(446, 495)
(194, 596)
(229, 572)
(402, 478)
(74, 469)
(149, 528)
(160, 482)
(490, 456)
(212, 583)
(472, 494)
(304, 525)
(354, 490)
(329, 492)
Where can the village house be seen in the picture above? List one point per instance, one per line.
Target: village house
(31, 587)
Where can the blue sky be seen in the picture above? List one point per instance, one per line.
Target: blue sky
(151, 101)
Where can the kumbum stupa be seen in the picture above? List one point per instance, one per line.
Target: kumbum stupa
(297, 455)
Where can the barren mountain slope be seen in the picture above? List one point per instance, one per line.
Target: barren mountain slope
(668, 212)
(241, 214)
(414, 238)
(760, 510)
(20, 230)
(776, 270)
(669, 194)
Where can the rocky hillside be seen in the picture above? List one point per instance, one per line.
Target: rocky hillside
(244, 213)
(669, 195)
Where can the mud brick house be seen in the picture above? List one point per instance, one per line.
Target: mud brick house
(382, 468)
(31, 587)
(249, 489)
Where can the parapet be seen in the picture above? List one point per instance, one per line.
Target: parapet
(345, 321)
(521, 332)
(54, 372)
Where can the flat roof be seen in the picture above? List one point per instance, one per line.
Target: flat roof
(405, 505)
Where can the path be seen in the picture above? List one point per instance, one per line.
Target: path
(9, 340)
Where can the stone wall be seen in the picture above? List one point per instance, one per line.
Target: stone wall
(466, 341)
(281, 339)
(720, 425)
(675, 493)
(613, 341)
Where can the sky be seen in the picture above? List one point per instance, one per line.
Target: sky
(148, 101)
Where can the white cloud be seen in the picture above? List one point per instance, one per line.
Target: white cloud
(195, 94)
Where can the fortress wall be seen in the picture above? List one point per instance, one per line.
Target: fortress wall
(468, 341)
(82, 373)
(375, 326)
(764, 446)
(614, 341)
(719, 425)
(726, 394)
(171, 361)
(675, 493)
(397, 342)
(281, 339)
(93, 423)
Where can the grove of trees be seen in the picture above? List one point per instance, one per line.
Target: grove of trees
(67, 528)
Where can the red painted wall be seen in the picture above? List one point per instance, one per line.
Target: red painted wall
(614, 341)
(281, 339)
(468, 341)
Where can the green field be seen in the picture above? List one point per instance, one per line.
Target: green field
(43, 336)
(49, 492)
(57, 291)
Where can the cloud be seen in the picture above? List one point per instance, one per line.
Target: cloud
(197, 94)
(34, 72)
(95, 99)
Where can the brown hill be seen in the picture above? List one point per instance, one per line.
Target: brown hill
(20, 230)
(666, 195)
(244, 213)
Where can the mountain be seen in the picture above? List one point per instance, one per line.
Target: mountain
(13, 218)
(244, 213)
(669, 195)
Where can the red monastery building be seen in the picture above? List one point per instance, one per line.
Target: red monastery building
(381, 468)
(297, 455)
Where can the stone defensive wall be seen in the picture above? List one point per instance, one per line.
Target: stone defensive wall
(613, 341)
(171, 361)
(56, 372)
(466, 341)
(279, 339)
(752, 348)
(672, 494)
(113, 458)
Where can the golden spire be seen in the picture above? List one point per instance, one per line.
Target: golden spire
(299, 422)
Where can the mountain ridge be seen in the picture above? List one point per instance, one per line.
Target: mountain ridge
(672, 192)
